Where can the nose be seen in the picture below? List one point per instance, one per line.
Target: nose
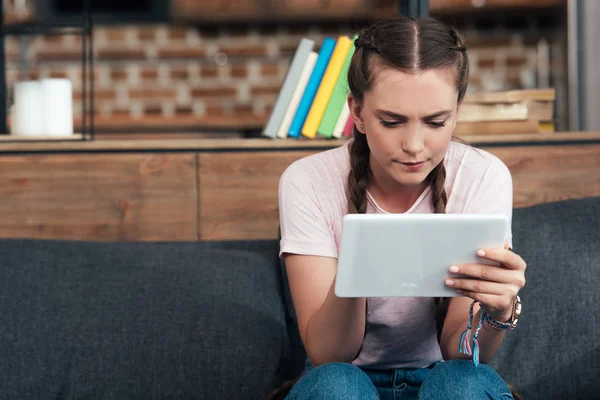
(413, 143)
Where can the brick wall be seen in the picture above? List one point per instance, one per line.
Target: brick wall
(231, 75)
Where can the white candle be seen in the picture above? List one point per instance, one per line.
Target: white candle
(57, 103)
(27, 117)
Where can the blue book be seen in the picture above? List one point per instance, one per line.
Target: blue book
(312, 86)
(287, 88)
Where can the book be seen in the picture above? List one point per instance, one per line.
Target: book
(520, 111)
(540, 110)
(326, 87)
(510, 96)
(289, 83)
(312, 86)
(503, 127)
(349, 128)
(307, 70)
(338, 130)
(338, 98)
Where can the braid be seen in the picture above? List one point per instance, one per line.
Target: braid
(358, 178)
(463, 64)
(437, 179)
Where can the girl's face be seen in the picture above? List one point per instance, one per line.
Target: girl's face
(408, 120)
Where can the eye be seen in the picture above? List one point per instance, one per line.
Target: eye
(434, 124)
(390, 124)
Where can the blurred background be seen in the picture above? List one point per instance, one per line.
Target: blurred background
(207, 65)
(184, 88)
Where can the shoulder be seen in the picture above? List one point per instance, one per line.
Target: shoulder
(320, 169)
(475, 164)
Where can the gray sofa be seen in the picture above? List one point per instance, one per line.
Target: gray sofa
(213, 320)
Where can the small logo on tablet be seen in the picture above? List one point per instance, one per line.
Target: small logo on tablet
(409, 284)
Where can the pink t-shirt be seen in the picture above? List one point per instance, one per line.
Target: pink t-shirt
(400, 332)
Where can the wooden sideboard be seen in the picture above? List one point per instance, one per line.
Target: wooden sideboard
(187, 190)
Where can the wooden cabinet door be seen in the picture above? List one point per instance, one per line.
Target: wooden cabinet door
(238, 193)
(107, 197)
(545, 174)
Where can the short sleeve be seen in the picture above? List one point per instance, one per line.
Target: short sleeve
(493, 194)
(304, 224)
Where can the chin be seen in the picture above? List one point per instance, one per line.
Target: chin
(410, 179)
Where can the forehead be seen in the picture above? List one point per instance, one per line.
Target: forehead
(412, 94)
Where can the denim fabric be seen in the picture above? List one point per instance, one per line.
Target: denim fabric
(456, 379)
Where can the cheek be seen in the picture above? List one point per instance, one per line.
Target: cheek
(380, 140)
(439, 140)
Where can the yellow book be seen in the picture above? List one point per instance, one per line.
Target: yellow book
(332, 72)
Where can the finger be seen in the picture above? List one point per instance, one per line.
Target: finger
(491, 301)
(485, 272)
(507, 258)
(506, 245)
(479, 286)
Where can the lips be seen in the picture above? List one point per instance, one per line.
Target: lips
(413, 166)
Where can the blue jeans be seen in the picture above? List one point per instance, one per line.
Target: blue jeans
(454, 379)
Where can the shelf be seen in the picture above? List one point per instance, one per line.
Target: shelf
(119, 145)
(28, 139)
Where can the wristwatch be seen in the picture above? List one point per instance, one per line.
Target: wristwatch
(516, 312)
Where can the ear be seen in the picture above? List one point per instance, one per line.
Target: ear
(356, 113)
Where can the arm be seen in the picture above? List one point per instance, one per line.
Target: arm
(496, 288)
(455, 323)
(331, 328)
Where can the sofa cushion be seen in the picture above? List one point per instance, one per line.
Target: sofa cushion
(554, 353)
(143, 320)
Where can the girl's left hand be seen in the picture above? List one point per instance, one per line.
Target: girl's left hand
(493, 286)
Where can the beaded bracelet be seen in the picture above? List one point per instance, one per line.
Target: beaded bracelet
(494, 323)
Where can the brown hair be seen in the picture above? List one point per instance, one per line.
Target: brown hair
(411, 46)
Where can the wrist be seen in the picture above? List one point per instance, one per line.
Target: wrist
(501, 315)
(500, 321)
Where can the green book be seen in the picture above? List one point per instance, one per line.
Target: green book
(338, 98)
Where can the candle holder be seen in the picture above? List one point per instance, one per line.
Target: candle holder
(84, 30)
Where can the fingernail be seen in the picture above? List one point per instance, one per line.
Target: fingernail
(453, 269)
(449, 282)
(481, 253)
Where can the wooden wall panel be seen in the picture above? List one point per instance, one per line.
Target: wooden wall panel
(544, 174)
(215, 195)
(238, 193)
(111, 197)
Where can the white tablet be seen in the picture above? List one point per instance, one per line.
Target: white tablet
(391, 255)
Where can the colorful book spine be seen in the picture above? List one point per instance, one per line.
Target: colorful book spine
(284, 128)
(312, 86)
(349, 127)
(339, 97)
(289, 84)
(338, 129)
(326, 87)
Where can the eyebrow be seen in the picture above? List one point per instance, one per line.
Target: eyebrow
(394, 115)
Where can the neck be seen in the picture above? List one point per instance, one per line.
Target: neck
(391, 195)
